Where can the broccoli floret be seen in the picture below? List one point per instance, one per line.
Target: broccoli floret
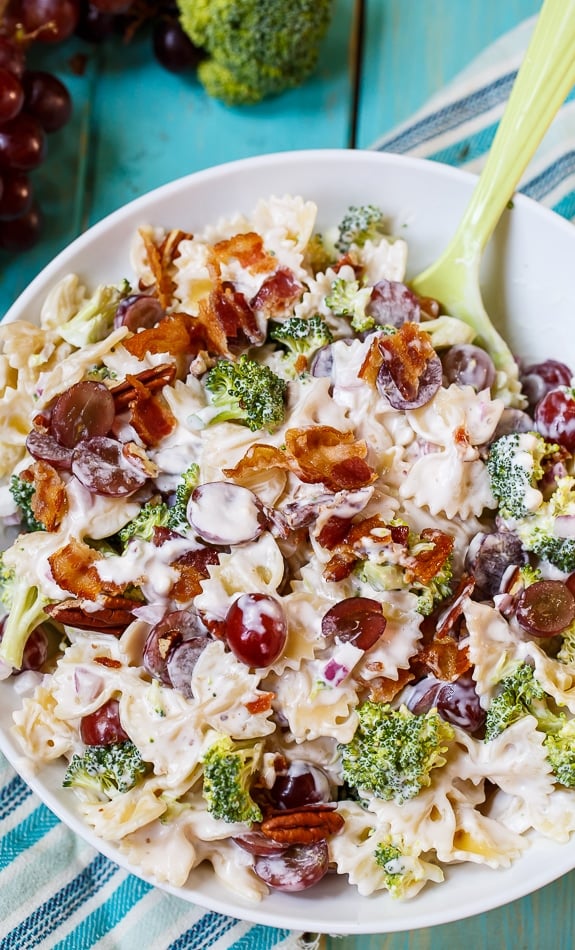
(518, 692)
(402, 870)
(538, 533)
(142, 526)
(522, 695)
(22, 492)
(515, 466)
(438, 589)
(25, 605)
(360, 224)
(301, 338)
(229, 768)
(106, 770)
(348, 299)
(95, 318)
(256, 48)
(177, 519)
(566, 652)
(246, 392)
(393, 751)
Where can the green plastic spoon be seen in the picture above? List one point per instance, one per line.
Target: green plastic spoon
(546, 76)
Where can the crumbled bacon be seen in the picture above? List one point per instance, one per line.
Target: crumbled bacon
(333, 531)
(407, 352)
(248, 249)
(174, 334)
(160, 258)
(74, 569)
(443, 657)
(426, 564)
(277, 293)
(49, 503)
(327, 455)
(382, 689)
(192, 569)
(316, 454)
(260, 704)
(109, 662)
(150, 414)
(370, 367)
(235, 316)
(351, 547)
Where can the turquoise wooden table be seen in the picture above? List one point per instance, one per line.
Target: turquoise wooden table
(136, 127)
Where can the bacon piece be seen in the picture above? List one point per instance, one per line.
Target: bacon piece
(74, 569)
(192, 569)
(49, 503)
(333, 531)
(174, 334)
(408, 351)
(248, 249)
(277, 293)
(327, 455)
(235, 316)
(384, 690)
(350, 549)
(160, 257)
(258, 458)
(426, 564)
(370, 367)
(260, 704)
(443, 658)
(150, 414)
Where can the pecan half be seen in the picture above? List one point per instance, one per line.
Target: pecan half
(112, 619)
(302, 827)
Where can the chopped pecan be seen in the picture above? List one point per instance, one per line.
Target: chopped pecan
(112, 619)
(153, 379)
(304, 826)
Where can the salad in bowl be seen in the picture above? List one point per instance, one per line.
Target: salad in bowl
(289, 566)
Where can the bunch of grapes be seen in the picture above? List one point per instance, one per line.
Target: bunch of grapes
(34, 103)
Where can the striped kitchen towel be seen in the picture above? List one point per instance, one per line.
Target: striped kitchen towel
(458, 124)
(56, 892)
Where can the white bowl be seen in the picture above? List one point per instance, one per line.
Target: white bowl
(528, 289)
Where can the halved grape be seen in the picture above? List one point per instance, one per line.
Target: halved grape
(139, 312)
(301, 784)
(224, 513)
(83, 411)
(42, 445)
(538, 379)
(545, 608)
(393, 303)
(487, 559)
(175, 628)
(181, 662)
(428, 384)
(458, 703)
(555, 417)
(358, 620)
(468, 365)
(255, 842)
(296, 868)
(256, 629)
(101, 466)
(103, 726)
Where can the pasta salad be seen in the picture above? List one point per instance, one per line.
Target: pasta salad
(291, 581)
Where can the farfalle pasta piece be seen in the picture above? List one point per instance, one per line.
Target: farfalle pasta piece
(493, 648)
(445, 483)
(314, 709)
(43, 733)
(124, 813)
(260, 569)
(457, 410)
(230, 710)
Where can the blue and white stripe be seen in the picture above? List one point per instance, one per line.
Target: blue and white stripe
(56, 892)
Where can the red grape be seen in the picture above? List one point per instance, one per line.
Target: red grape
(173, 48)
(358, 620)
(555, 417)
(458, 703)
(427, 385)
(101, 465)
(46, 99)
(83, 411)
(22, 233)
(103, 726)
(224, 513)
(11, 57)
(540, 378)
(255, 842)
(112, 6)
(94, 25)
(22, 143)
(301, 784)
(256, 629)
(16, 197)
(392, 303)
(50, 20)
(296, 868)
(545, 608)
(11, 95)
(177, 627)
(181, 662)
(468, 365)
(138, 312)
(42, 445)
(488, 558)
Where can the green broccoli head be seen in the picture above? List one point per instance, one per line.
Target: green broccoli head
(22, 492)
(515, 466)
(95, 318)
(301, 338)
(247, 392)
(360, 224)
(560, 751)
(540, 532)
(402, 869)
(517, 695)
(393, 751)
(256, 48)
(229, 770)
(177, 517)
(106, 770)
(25, 605)
(150, 516)
(348, 299)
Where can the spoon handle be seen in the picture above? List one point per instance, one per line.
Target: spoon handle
(545, 77)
